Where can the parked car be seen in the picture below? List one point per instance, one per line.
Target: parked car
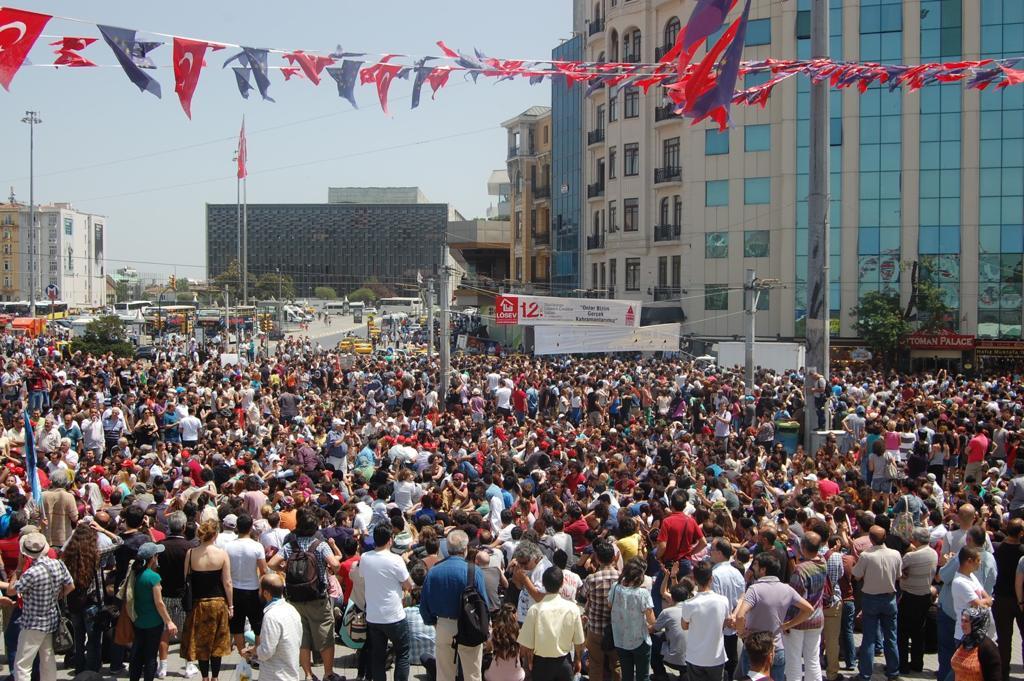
(146, 352)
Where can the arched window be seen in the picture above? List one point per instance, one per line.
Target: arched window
(664, 212)
(597, 12)
(677, 210)
(631, 45)
(614, 44)
(671, 33)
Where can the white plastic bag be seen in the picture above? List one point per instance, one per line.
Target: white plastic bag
(243, 672)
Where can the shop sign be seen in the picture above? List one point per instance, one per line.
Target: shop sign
(939, 340)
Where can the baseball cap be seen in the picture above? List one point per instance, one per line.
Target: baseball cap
(230, 521)
(149, 549)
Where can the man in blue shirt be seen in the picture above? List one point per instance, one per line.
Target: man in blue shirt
(440, 603)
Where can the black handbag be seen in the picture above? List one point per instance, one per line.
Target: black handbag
(64, 637)
(186, 590)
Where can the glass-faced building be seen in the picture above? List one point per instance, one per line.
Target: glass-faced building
(341, 245)
(566, 173)
(673, 214)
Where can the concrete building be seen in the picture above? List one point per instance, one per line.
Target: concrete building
(69, 248)
(499, 188)
(675, 213)
(482, 249)
(529, 169)
(344, 244)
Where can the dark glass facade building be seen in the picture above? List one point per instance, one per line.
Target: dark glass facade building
(331, 244)
(566, 173)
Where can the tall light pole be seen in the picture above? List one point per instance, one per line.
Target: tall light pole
(33, 119)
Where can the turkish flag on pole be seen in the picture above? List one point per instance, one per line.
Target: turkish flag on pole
(188, 62)
(18, 33)
(242, 153)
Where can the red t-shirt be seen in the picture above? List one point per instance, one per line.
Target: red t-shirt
(977, 448)
(680, 533)
(578, 529)
(519, 399)
(345, 575)
(827, 488)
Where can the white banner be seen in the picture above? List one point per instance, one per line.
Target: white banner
(549, 311)
(558, 340)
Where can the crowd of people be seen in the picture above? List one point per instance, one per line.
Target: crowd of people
(619, 517)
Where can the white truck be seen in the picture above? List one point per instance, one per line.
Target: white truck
(776, 356)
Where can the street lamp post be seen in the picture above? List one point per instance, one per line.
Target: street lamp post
(32, 118)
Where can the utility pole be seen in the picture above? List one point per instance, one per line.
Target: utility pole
(32, 118)
(227, 319)
(752, 289)
(430, 319)
(818, 279)
(446, 345)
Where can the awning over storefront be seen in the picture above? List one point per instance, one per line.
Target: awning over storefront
(1002, 349)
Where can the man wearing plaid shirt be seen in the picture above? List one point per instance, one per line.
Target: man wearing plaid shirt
(40, 587)
(421, 638)
(598, 613)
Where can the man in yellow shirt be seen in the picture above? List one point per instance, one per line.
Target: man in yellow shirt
(553, 630)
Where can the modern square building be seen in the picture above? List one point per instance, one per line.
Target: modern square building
(341, 245)
(675, 213)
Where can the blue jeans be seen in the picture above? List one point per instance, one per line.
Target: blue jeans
(947, 644)
(398, 634)
(879, 609)
(635, 663)
(37, 400)
(778, 665)
(847, 647)
(88, 642)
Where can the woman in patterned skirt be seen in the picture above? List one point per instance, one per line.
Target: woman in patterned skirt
(206, 638)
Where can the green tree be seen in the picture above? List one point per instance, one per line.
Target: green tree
(181, 285)
(103, 335)
(274, 285)
(932, 311)
(121, 291)
(362, 295)
(379, 290)
(880, 322)
(232, 280)
(325, 293)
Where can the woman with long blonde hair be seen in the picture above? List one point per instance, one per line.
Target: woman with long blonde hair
(205, 636)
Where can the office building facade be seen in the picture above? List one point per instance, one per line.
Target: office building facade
(529, 172)
(567, 174)
(675, 214)
(341, 245)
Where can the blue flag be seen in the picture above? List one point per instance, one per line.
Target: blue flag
(242, 78)
(127, 49)
(256, 60)
(346, 79)
(30, 461)
(422, 71)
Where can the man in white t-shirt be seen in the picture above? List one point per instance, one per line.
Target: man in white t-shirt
(190, 427)
(503, 398)
(386, 577)
(968, 592)
(704, 622)
(248, 565)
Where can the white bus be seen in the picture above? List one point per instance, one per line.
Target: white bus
(411, 306)
(336, 307)
(131, 306)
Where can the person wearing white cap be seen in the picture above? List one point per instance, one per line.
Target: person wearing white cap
(40, 587)
(227, 534)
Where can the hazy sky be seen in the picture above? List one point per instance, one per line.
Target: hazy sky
(109, 149)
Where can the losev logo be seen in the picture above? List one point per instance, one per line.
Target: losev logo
(630, 316)
(506, 310)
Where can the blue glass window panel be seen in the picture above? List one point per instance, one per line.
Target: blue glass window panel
(869, 188)
(867, 241)
(870, 156)
(1013, 12)
(888, 240)
(1013, 39)
(929, 154)
(991, 182)
(949, 239)
(928, 239)
(930, 131)
(989, 212)
(757, 137)
(951, 154)
(891, 103)
(990, 152)
(930, 184)
(890, 157)
(889, 213)
(1012, 209)
(716, 142)
(757, 191)
(991, 125)
(929, 210)
(802, 186)
(1012, 239)
(950, 211)
(759, 32)
(949, 183)
(991, 12)
(716, 193)
(990, 238)
(1013, 121)
(1013, 181)
(869, 212)
(870, 19)
(951, 96)
(890, 185)
(752, 79)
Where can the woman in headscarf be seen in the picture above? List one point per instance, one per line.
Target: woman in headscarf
(977, 658)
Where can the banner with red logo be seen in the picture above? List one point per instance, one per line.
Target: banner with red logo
(551, 311)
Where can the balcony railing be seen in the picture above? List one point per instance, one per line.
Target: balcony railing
(595, 136)
(595, 241)
(513, 152)
(664, 113)
(666, 293)
(542, 192)
(667, 232)
(667, 174)
(595, 189)
(542, 239)
(660, 52)
(596, 26)
(630, 58)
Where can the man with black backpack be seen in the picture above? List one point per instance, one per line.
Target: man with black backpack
(305, 559)
(458, 608)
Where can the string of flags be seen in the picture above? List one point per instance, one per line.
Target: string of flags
(697, 89)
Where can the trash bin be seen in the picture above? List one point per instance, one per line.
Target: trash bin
(787, 433)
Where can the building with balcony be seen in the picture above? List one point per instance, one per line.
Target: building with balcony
(499, 188)
(675, 213)
(529, 170)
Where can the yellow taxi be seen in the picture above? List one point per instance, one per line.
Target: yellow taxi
(346, 344)
(363, 349)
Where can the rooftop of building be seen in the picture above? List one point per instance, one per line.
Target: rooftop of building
(533, 113)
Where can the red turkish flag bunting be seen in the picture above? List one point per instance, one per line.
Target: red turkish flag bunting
(188, 62)
(311, 64)
(68, 48)
(18, 33)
